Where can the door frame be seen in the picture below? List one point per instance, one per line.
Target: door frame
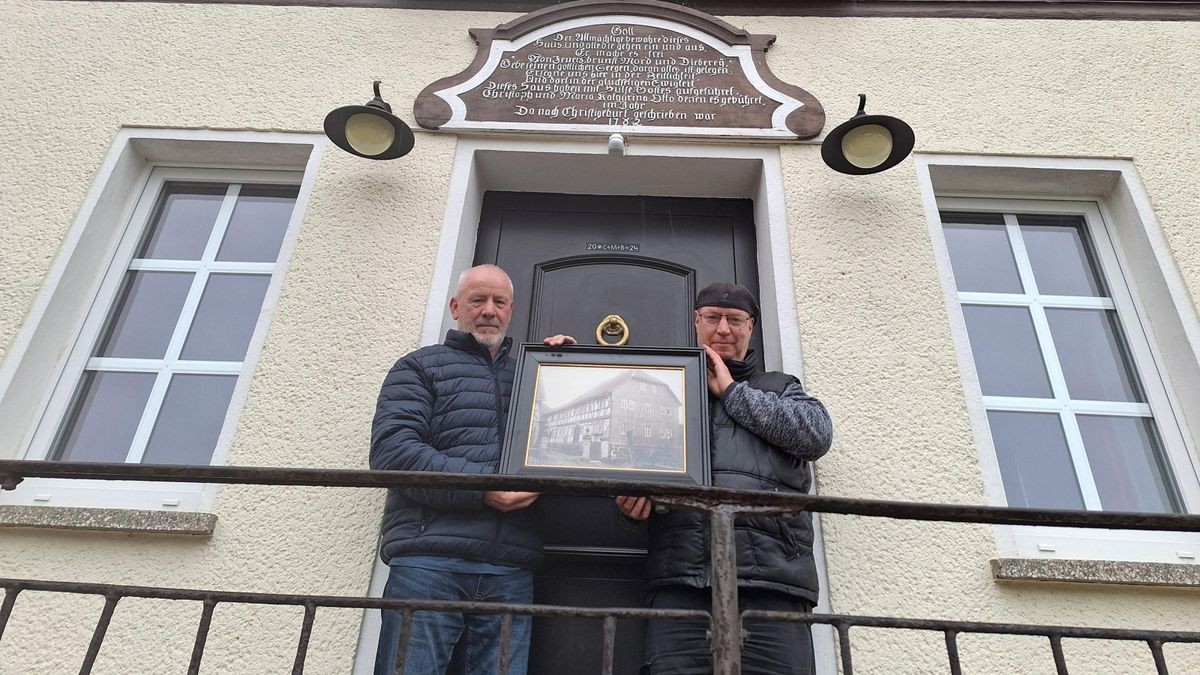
(652, 168)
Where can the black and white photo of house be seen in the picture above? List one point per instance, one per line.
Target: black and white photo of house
(608, 417)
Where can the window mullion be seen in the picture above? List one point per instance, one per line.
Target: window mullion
(238, 266)
(163, 265)
(1076, 302)
(141, 437)
(1048, 405)
(1083, 468)
(994, 299)
(113, 364)
(1021, 404)
(207, 367)
(1058, 381)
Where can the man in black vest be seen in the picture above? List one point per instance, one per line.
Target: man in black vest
(765, 430)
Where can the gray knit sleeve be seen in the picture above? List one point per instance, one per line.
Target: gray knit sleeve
(792, 420)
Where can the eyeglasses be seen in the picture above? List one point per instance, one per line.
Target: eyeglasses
(734, 320)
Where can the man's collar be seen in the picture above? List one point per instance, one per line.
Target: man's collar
(742, 370)
(466, 342)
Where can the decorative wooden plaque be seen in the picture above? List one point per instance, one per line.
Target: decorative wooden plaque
(632, 66)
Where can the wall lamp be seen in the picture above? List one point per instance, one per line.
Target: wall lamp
(370, 130)
(867, 143)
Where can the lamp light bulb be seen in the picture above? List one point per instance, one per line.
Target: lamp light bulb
(867, 146)
(369, 134)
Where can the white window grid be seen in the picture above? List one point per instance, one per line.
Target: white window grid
(1181, 469)
(81, 361)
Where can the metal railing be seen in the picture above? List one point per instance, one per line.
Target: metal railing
(721, 505)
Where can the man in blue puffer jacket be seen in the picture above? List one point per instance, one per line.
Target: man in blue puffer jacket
(442, 408)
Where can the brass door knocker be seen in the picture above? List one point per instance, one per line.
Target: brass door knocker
(612, 325)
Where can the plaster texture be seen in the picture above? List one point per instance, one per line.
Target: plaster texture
(869, 302)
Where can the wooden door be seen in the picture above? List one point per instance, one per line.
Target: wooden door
(575, 259)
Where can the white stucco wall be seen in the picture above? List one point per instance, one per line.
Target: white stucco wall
(874, 328)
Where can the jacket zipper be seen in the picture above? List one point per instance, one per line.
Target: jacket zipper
(499, 401)
(500, 521)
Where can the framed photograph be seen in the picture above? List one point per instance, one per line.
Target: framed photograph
(633, 413)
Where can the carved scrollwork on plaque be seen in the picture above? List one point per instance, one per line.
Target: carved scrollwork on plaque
(633, 66)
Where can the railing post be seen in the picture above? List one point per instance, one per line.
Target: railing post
(843, 631)
(610, 645)
(9, 480)
(310, 613)
(726, 622)
(206, 615)
(1060, 660)
(952, 652)
(89, 659)
(1160, 661)
(506, 620)
(10, 599)
(406, 621)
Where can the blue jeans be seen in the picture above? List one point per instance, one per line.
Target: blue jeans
(453, 642)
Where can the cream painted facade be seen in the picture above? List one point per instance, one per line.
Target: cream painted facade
(853, 258)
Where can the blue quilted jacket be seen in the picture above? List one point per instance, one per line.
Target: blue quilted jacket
(442, 408)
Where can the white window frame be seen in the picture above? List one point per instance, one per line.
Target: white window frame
(1163, 393)
(81, 360)
(99, 249)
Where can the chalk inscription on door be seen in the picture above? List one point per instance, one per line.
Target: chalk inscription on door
(653, 68)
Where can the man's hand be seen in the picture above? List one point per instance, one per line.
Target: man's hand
(559, 340)
(719, 378)
(636, 508)
(509, 501)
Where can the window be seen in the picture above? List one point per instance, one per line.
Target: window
(146, 333)
(665, 410)
(648, 431)
(1146, 385)
(1076, 407)
(157, 382)
(1070, 419)
(646, 407)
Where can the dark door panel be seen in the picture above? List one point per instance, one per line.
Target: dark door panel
(569, 645)
(575, 294)
(714, 237)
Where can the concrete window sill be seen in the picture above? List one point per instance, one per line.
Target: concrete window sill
(1097, 572)
(107, 520)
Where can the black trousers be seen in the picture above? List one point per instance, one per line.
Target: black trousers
(769, 647)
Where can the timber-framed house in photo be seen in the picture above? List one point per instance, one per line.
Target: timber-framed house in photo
(632, 419)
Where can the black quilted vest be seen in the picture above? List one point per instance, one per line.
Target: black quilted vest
(773, 552)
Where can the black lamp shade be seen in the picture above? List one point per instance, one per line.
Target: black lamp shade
(867, 143)
(370, 130)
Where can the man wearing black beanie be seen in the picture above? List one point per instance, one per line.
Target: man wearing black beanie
(765, 431)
